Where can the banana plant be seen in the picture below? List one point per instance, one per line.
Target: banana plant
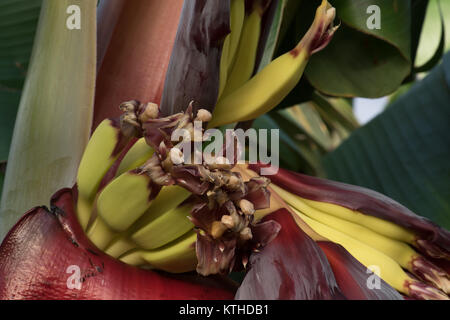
(138, 204)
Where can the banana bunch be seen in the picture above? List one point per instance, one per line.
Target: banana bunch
(127, 215)
(148, 206)
(243, 96)
(393, 251)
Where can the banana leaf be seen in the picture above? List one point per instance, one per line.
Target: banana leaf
(357, 61)
(436, 22)
(18, 20)
(54, 118)
(404, 152)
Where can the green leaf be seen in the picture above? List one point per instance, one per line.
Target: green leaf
(55, 113)
(18, 20)
(357, 59)
(306, 120)
(2, 175)
(418, 11)
(293, 154)
(272, 37)
(405, 151)
(336, 109)
(432, 28)
(355, 64)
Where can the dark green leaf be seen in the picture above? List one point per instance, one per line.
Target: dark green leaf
(356, 61)
(18, 21)
(337, 109)
(405, 151)
(355, 64)
(293, 154)
(9, 100)
(439, 51)
(429, 37)
(418, 10)
(271, 28)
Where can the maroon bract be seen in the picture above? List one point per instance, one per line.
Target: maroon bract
(38, 253)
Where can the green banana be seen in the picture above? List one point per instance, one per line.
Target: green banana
(224, 65)
(99, 155)
(176, 257)
(99, 233)
(84, 211)
(164, 228)
(147, 231)
(120, 244)
(244, 63)
(124, 200)
(138, 154)
(237, 21)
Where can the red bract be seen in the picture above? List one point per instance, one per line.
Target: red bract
(433, 239)
(351, 275)
(37, 254)
(137, 55)
(293, 266)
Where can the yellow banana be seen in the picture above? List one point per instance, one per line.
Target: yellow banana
(224, 65)
(269, 86)
(262, 92)
(237, 21)
(399, 251)
(138, 154)
(176, 257)
(124, 200)
(246, 55)
(98, 157)
(390, 271)
(383, 227)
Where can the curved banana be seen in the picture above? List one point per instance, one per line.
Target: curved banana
(224, 65)
(84, 211)
(237, 15)
(99, 233)
(119, 245)
(100, 153)
(399, 251)
(148, 229)
(383, 227)
(244, 63)
(125, 199)
(177, 256)
(390, 271)
(262, 92)
(138, 154)
(271, 85)
(164, 228)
